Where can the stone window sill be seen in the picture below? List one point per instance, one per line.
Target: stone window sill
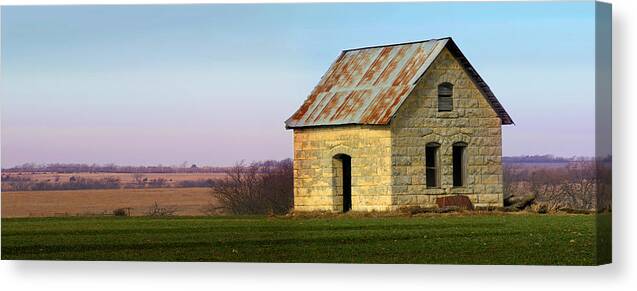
(460, 190)
(447, 114)
(434, 191)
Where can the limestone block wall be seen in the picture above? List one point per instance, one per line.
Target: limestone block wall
(315, 184)
(472, 121)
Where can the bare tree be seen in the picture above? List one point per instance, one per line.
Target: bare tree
(512, 177)
(574, 186)
(257, 188)
(156, 210)
(139, 179)
(604, 185)
(579, 188)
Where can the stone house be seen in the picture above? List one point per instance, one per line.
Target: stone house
(398, 126)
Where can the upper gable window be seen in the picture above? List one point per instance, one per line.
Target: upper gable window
(445, 97)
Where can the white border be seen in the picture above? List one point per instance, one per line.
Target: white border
(621, 275)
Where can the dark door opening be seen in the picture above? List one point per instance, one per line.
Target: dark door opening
(347, 182)
(342, 182)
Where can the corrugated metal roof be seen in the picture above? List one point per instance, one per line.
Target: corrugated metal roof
(368, 85)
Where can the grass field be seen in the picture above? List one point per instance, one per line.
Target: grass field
(187, 201)
(473, 239)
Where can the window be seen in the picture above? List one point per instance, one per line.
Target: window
(459, 164)
(445, 97)
(431, 164)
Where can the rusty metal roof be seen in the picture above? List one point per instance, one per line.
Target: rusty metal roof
(368, 85)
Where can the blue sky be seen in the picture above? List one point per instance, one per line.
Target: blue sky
(212, 84)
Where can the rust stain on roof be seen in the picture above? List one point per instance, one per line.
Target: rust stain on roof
(375, 68)
(368, 85)
(410, 68)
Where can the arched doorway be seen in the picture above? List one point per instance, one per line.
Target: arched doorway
(343, 181)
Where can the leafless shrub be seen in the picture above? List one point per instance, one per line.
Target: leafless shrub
(257, 188)
(139, 180)
(579, 185)
(572, 186)
(122, 211)
(509, 179)
(155, 210)
(157, 183)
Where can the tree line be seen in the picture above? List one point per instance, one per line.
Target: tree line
(110, 168)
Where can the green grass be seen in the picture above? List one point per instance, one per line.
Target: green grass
(485, 239)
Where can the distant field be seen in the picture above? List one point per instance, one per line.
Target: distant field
(187, 201)
(484, 239)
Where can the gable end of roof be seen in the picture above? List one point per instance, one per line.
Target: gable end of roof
(480, 83)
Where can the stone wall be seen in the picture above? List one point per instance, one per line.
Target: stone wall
(472, 121)
(315, 184)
